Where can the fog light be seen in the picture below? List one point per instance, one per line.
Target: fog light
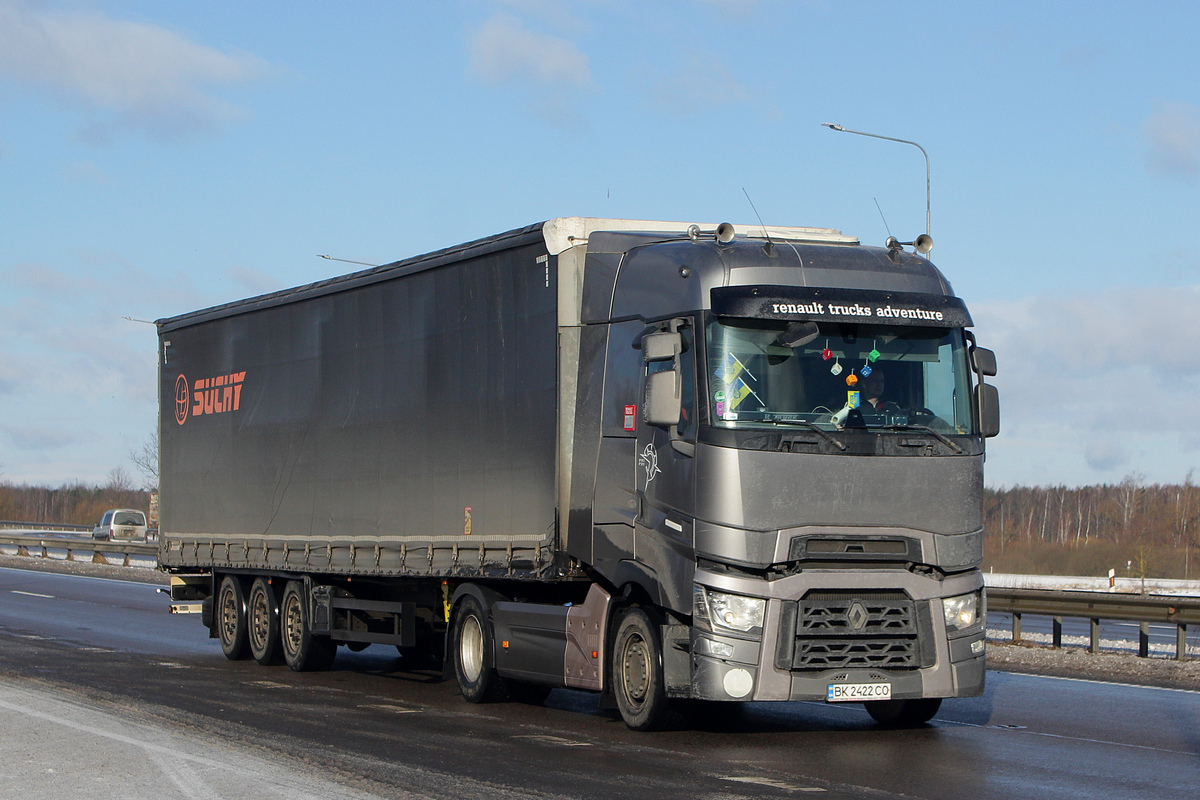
(710, 648)
(738, 682)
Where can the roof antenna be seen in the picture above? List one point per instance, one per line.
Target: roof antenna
(882, 217)
(769, 247)
(345, 260)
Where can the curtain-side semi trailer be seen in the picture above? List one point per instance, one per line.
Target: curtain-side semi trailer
(654, 460)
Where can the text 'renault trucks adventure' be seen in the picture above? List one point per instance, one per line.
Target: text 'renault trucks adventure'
(653, 460)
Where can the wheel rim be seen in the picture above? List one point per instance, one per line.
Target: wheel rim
(635, 669)
(293, 623)
(229, 616)
(470, 648)
(260, 619)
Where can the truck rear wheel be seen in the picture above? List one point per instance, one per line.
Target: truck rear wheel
(231, 619)
(903, 713)
(473, 656)
(262, 617)
(302, 651)
(637, 673)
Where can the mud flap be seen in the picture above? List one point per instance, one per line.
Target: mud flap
(677, 660)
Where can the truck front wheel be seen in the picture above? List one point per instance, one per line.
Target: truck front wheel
(231, 619)
(903, 713)
(473, 657)
(302, 650)
(262, 617)
(637, 673)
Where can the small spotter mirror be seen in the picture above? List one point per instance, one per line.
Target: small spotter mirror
(661, 346)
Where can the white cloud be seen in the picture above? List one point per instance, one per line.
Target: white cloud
(547, 67)
(555, 13)
(1173, 135)
(698, 83)
(1094, 384)
(144, 76)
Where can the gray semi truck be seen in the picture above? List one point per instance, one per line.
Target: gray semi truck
(659, 461)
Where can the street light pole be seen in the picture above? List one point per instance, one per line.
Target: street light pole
(833, 127)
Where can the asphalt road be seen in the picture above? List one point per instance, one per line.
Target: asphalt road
(377, 725)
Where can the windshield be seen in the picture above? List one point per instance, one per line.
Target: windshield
(849, 376)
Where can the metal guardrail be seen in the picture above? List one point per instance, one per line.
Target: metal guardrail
(1095, 606)
(6, 524)
(96, 551)
(1053, 603)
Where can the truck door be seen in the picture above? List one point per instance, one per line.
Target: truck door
(665, 452)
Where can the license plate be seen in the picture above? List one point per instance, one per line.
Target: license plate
(857, 692)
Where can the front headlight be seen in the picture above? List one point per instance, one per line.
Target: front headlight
(962, 611)
(730, 611)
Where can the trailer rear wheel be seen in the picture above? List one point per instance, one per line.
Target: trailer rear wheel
(638, 675)
(903, 713)
(473, 657)
(231, 619)
(262, 617)
(302, 650)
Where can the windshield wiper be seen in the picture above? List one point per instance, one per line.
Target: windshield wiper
(812, 427)
(913, 427)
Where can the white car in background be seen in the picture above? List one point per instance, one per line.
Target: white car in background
(121, 524)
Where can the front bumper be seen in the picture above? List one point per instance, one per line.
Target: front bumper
(927, 662)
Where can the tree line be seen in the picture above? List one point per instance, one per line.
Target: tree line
(70, 504)
(1136, 528)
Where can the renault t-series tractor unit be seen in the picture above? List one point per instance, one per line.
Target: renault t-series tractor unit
(660, 461)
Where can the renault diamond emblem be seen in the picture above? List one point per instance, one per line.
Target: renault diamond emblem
(857, 616)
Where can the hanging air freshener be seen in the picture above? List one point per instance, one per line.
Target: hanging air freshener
(851, 379)
(873, 356)
(836, 369)
(827, 354)
(866, 370)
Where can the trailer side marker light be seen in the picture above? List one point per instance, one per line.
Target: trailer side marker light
(595, 654)
(504, 645)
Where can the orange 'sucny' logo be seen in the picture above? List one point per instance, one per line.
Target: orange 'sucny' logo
(208, 396)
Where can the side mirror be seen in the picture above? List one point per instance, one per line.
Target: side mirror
(987, 400)
(663, 403)
(661, 346)
(983, 361)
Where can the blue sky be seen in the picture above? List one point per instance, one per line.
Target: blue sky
(156, 158)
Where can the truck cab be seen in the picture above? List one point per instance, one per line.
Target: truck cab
(800, 494)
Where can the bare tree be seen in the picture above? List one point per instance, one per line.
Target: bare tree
(1129, 497)
(118, 481)
(146, 460)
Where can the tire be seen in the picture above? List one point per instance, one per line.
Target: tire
(473, 654)
(637, 674)
(302, 651)
(903, 713)
(262, 623)
(230, 619)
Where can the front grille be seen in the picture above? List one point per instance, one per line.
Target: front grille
(891, 653)
(833, 630)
